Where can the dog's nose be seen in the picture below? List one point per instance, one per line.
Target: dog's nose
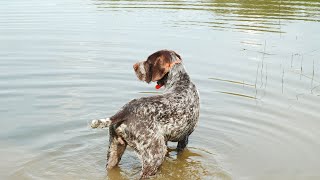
(136, 66)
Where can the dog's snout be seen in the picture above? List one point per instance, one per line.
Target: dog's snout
(136, 66)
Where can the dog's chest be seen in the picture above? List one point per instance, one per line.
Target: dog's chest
(183, 116)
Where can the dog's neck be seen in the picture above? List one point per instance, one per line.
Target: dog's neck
(177, 77)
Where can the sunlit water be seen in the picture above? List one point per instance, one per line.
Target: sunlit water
(255, 63)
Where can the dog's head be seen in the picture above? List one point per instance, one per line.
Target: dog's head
(157, 66)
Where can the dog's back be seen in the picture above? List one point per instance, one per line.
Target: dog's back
(175, 113)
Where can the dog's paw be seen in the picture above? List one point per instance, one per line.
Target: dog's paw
(100, 123)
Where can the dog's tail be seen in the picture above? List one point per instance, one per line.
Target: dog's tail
(122, 115)
(101, 123)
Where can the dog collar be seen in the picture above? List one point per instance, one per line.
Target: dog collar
(162, 81)
(158, 86)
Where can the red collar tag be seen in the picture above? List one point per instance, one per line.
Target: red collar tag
(158, 86)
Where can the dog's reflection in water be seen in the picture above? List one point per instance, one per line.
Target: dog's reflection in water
(189, 164)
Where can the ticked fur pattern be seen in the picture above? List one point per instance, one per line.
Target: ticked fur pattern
(148, 123)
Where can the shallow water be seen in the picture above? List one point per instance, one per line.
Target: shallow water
(255, 63)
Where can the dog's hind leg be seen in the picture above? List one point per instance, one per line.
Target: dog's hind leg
(152, 156)
(116, 149)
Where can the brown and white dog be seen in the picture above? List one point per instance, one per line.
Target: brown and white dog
(147, 123)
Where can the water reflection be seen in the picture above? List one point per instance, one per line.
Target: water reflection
(248, 16)
(187, 165)
(266, 15)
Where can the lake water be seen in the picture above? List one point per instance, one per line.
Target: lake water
(256, 65)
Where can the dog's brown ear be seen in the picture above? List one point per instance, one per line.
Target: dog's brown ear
(162, 66)
(177, 55)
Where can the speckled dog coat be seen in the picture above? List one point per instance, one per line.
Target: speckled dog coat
(146, 124)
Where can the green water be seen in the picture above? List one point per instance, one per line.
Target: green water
(256, 65)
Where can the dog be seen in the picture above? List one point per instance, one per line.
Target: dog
(148, 123)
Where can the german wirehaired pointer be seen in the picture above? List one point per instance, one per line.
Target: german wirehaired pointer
(147, 123)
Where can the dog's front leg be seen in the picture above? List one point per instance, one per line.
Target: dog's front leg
(152, 155)
(183, 143)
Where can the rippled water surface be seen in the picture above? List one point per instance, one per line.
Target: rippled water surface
(256, 65)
